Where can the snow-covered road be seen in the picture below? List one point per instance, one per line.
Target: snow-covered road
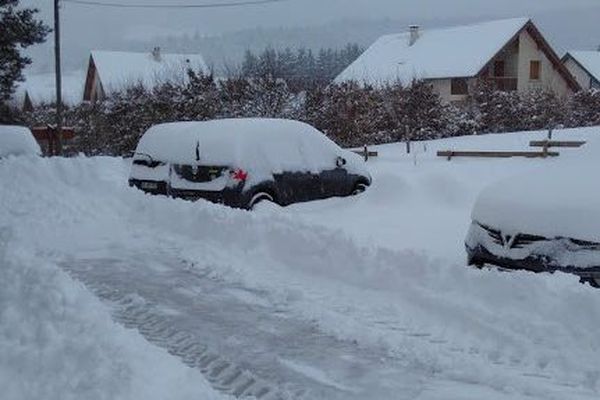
(344, 298)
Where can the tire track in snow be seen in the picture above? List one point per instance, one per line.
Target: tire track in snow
(135, 313)
(257, 349)
(142, 306)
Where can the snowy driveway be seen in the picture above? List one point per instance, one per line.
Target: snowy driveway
(243, 340)
(345, 298)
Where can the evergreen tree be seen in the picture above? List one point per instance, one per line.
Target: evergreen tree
(18, 30)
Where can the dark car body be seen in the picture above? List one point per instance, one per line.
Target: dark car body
(522, 251)
(233, 182)
(545, 220)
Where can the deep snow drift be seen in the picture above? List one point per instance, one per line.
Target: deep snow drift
(381, 272)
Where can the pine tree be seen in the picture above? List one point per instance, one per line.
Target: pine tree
(18, 30)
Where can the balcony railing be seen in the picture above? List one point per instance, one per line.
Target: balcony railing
(504, 83)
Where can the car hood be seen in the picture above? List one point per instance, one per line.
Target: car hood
(17, 140)
(551, 202)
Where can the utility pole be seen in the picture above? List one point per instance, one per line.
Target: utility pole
(59, 107)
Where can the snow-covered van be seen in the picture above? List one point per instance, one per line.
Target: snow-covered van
(17, 141)
(240, 162)
(543, 222)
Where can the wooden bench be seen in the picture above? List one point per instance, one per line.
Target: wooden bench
(496, 154)
(365, 153)
(557, 143)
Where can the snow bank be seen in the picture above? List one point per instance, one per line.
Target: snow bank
(58, 342)
(17, 140)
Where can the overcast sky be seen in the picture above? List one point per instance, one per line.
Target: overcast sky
(83, 21)
(94, 27)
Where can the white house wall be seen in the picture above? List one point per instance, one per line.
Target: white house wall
(551, 79)
(583, 78)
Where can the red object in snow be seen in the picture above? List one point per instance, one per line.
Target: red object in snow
(239, 175)
(49, 135)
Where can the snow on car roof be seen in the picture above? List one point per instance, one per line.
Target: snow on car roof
(17, 140)
(118, 69)
(267, 145)
(460, 51)
(555, 201)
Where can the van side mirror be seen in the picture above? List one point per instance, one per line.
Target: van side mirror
(340, 162)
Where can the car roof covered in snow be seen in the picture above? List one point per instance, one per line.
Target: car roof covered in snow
(454, 52)
(17, 140)
(268, 145)
(119, 69)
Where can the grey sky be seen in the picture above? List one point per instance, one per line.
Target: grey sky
(92, 27)
(88, 21)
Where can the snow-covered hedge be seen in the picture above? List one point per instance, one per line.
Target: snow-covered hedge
(349, 113)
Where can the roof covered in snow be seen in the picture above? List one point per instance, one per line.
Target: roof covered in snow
(118, 69)
(41, 88)
(589, 60)
(460, 51)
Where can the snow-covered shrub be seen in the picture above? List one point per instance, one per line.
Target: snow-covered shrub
(414, 112)
(350, 113)
(347, 112)
(501, 111)
(584, 109)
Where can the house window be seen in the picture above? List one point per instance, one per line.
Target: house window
(499, 68)
(459, 86)
(535, 70)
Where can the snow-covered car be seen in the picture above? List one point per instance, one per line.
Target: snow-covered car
(240, 162)
(17, 141)
(544, 222)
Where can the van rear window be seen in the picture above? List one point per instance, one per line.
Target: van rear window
(195, 173)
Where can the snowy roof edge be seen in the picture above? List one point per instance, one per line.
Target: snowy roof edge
(576, 55)
(518, 25)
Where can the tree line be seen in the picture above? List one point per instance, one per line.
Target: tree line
(301, 68)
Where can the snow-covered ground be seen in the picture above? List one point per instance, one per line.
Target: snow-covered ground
(337, 299)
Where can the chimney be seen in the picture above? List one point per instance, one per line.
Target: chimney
(414, 34)
(156, 54)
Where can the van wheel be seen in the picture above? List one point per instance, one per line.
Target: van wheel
(258, 197)
(359, 188)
